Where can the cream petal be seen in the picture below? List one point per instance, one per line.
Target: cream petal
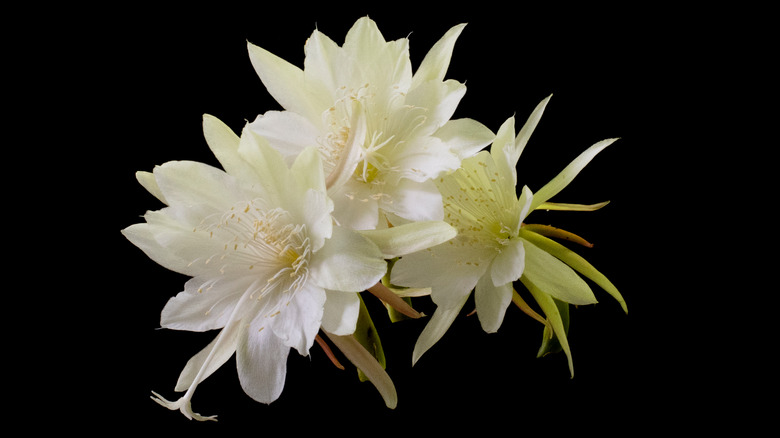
(286, 131)
(440, 99)
(347, 262)
(525, 132)
(211, 358)
(509, 263)
(440, 322)
(355, 207)
(436, 62)
(568, 173)
(492, 302)
(367, 363)
(554, 277)
(223, 142)
(204, 304)
(286, 83)
(261, 361)
(147, 181)
(341, 312)
(143, 236)
(423, 158)
(465, 137)
(298, 320)
(410, 237)
(414, 201)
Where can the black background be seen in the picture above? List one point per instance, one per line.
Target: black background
(658, 77)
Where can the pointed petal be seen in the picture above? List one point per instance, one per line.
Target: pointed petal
(571, 207)
(347, 262)
(350, 155)
(546, 230)
(465, 137)
(368, 364)
(578, 263)
(492, 302)
(569, 173)
(396, 302)
(147, 181)
(499, 150)
(286, 83)
(436, 62)
(210, 358)
(509, 264)
(143, 236)
(550, 309)
(410, 237)
(223, 142)
(261, 360)
(554, 277)
(440, 322)
(525, 132)
(341, 312)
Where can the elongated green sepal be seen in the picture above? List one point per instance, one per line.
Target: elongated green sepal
(575, 261)
(559, 206)
(367, 335)
(550, 309)
(550, 342)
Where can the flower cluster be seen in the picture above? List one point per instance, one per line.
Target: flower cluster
(362, 183)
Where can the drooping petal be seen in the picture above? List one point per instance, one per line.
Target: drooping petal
(568, 173)
(509, 263)
(492, 301)
(550, 309)
(210, 358)
(440, 322)
(465, 137)
(366, 362)
(347, 262)
(577, 262)
(410, 237)
(297, 322)
(261, 360)
(341, 312)
(554, 277)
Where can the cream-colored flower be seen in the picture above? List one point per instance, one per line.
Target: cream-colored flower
(383, 132)
(269, 267)
(493, 248)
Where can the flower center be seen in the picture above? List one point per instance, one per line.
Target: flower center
(263, 243)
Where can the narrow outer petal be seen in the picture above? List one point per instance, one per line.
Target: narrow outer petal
(440, 322)
(492, 302)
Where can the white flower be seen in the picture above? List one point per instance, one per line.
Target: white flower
(383, 133)
(493, 248)
(268, 266)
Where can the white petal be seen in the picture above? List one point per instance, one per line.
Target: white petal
(142, 236)
(261, 360)
(341, 312)
(505, 139)
(223, 142)
(299, 320)
(203, 305)
(414, 201)
(271, 171)
(554, 277)
(436, 62)
(347, 262)
(211, 358)
(440, 99)
(508, 264)
(355, 207)
(465, 137)
(440, 322)
(286, 83)
(411, 237)
(525, 132)
(568, 173)
(450, 271)
(424, 158)
(286, 131)
(492, 302)
(147, 180)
